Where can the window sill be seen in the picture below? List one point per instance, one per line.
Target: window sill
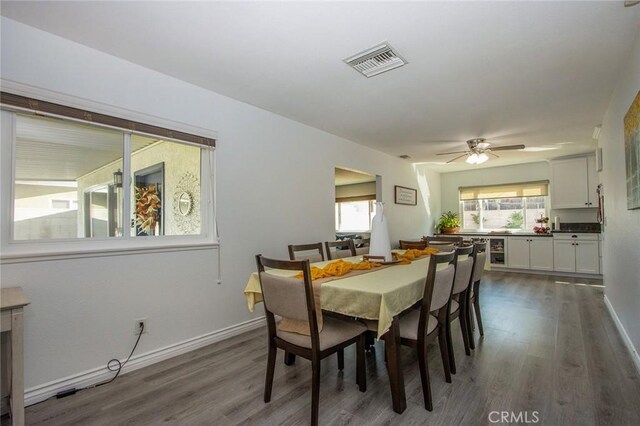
(43, 256)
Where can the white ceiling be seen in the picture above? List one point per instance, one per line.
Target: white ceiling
(537, 73)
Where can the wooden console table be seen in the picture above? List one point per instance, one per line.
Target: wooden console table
(12, 302)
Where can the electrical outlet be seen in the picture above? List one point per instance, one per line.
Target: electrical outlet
(139, 323)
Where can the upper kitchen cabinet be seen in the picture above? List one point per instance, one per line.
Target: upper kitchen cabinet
(573, 183)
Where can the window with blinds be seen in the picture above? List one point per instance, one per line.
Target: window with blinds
(513, 206)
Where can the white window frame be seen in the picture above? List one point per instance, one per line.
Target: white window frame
(482, 211)
(20, 250)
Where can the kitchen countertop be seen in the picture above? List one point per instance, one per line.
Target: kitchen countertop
(564, 231)
(501, 234)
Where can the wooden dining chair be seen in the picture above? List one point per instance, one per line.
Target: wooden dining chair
(458, 307)
(312, 252)
(480, 257)
(407, 245)
(418, 328)
(362, 246)
(294, 299)
(340, 249)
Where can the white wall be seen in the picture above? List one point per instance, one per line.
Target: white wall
(275, 180)
(528, 172)
(622, 227)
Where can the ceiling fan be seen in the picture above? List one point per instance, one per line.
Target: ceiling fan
(478, 150)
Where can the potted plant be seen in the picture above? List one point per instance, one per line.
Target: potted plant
(448, 223)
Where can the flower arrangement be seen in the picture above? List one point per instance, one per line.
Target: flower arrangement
(147, 208)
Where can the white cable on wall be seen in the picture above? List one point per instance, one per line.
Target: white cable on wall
(213, 208)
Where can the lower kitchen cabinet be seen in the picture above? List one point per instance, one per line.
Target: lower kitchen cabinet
(564, 256)
(587, 257)
(576, 253)
(534, 253)
(541, 253)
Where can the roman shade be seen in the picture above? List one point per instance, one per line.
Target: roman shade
(50, 108)
(512, 190)
(356, 192)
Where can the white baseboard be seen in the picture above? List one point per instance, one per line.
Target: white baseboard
(550, 273)
(627, 340)
(41, 392)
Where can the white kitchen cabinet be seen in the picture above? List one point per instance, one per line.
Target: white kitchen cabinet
(587, 259)
(531, 253)
(576, 253)
(518, 249)
(541, 253)
(564, 256)
(573, 183)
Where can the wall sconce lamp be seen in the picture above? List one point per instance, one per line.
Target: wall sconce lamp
(117, 179)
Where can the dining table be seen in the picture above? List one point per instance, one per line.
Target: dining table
(380, 294)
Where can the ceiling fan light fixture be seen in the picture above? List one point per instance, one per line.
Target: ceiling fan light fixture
(472, 159)
(482, 157)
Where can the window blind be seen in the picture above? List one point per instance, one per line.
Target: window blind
(356, 192)
(512, 190)
(356, 198)
(24, 103)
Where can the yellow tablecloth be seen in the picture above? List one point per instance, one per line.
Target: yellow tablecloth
(378, 295)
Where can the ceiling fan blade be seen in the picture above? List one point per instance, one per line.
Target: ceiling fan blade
(506, 148)
(495, 155)
(454, 152)
(454, 159)
(629, 3)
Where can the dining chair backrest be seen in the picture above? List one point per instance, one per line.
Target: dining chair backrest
(283, 296)
(340, 249)
(443, 247)
(362, 246)
(464, 269)
(407, 245)
(312, 252)
(456, 239)
(288, 297)
(480, 257)
(439, 281)
(442, 287)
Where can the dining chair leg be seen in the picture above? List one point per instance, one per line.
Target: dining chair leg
(472, 323)
(289, 358)
(315, 391)
(340, 359)
(361, 372)
(467, 315)
(452, 359)
(271, 365)
(370, 340)
(462, 317)
(476, 306)
(424, 375)
(444, 353)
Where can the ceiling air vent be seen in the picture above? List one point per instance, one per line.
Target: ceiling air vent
(376, 60)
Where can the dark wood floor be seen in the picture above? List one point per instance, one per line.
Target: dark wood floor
(549, 346)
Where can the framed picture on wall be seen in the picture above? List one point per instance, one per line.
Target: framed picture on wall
(632, 153)
(406, 196)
